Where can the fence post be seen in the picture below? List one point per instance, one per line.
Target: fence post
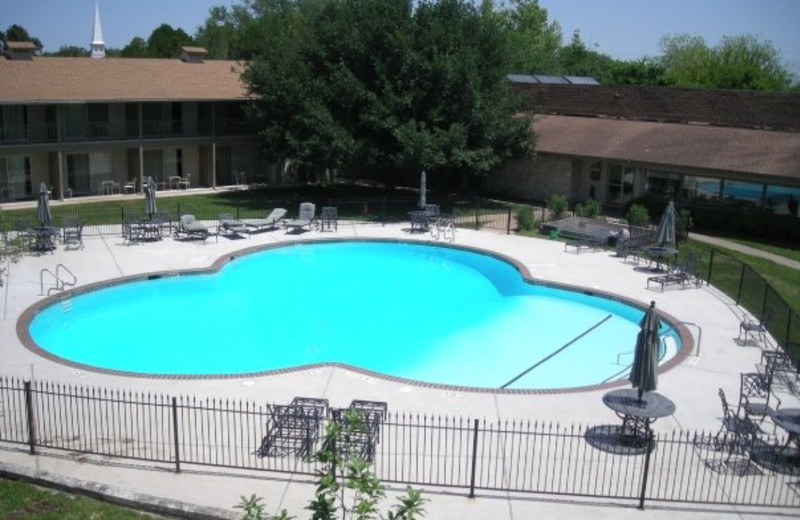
(383, 210)
(175, 435)
(474, 459)
(29, 414)
(477, 210)
(741, 283)
(646, 471)
(710, 266)
(508, 224)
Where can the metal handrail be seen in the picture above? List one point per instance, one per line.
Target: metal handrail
(60, 282)
(41, 279)
(64, 283)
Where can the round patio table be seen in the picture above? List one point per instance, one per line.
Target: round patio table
(661, 255)
(788, 419)
(636, 414)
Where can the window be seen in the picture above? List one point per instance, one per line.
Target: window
(173, 162)
(13, 122)
(15, 177)
(702, 189)
(783, 200)
(98, 119)
(78, 173)
(74, 121)
(620, 183)
(742, 194)
(595, 171)
(663, 184)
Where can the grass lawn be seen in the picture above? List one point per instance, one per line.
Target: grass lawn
(785, 280)
(21, 500)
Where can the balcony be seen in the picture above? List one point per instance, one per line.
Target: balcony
(120, 131)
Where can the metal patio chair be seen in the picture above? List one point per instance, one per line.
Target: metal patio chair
(748, 328)
(72, 232)
(756, 398)
(736, 434)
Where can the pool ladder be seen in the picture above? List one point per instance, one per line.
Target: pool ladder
(58, 279)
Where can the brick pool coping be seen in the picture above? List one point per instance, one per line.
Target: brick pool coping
(23, 323)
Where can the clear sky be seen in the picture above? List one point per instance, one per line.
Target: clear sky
(623, 29)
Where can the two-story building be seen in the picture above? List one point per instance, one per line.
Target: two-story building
(87, 126)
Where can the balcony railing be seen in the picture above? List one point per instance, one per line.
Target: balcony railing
(120, 131)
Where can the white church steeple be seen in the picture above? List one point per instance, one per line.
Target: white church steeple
(98, 46)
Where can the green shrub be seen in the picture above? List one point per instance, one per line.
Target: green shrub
(557, 204)
(638, 215)
(683, 224)
(525, 219)
(342, 468)
(589, 209)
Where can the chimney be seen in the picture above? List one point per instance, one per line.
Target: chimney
(98, 46)
(193, 54)
(20, 50)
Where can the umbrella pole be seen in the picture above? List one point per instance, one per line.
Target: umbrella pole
(640, 394)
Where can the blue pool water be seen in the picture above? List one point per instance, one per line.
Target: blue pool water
(432, 314)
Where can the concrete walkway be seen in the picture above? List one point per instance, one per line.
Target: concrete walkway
(727, 244)
(692, 385)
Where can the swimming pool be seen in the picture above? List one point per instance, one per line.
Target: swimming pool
(441, 315)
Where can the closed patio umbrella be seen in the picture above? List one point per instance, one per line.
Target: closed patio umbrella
(150, 196)
(422, 188)
(43, 214)
(666, 227)
(644, 372)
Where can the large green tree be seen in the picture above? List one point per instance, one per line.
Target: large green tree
(738, 62)
(384, 86)
(17, 33)
(231, 32)
(163, 42)
(534, 43)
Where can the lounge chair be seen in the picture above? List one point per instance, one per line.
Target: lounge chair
(305, 217)
(190, 228)
(683, 274)
(293, 428)
(229, 225)
(269, 222)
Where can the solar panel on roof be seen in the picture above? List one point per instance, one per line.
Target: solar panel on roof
(521, 78)
(551, 80)
(582, 80)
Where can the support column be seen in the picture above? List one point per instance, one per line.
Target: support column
(140, 173)
(214, 165)
(61, 187)
(141, 148)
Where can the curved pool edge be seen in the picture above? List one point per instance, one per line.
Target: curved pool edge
(23, 323)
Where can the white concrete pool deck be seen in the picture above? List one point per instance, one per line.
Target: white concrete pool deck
(692, 385)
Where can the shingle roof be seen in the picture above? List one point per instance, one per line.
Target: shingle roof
(737, 108)
(46, 79)
(672, 144)
(21, 46)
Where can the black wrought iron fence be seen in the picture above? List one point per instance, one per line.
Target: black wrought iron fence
(106, 217)
(454, 452)
(750, 290)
